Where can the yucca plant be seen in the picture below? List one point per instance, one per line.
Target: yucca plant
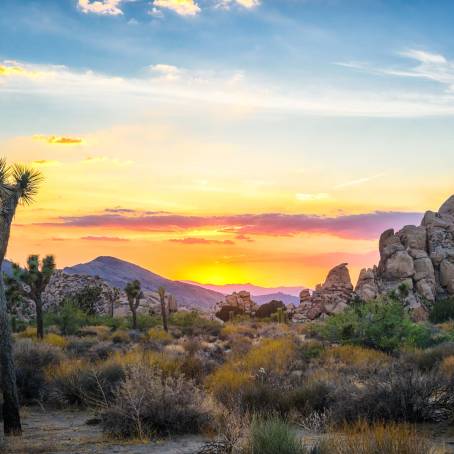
(30, 282)
(134, 294)
(18, 184)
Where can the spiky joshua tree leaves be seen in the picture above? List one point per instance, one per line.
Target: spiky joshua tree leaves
(18, 184)
(31, 282)
(134, 294)
(162, 298)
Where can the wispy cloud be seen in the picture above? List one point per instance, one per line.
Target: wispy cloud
(104, 238)
(354, 226)
(58, 140)
(235, 88)
(105, 7)
(203, 241)
(358, 181)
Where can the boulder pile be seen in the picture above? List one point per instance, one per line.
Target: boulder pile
(419, 259)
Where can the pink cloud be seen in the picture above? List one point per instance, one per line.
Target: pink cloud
(200, 241)
(355, 226)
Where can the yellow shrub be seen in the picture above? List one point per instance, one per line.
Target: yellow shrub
(66, 368)
(56, 340)
(28, 333)
(169, 365)
(232, 329)
(271, 354)
(355, 356)
(159, 335)
(120, 336)
(447, 366)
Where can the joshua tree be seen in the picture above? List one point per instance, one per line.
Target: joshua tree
(30, 283)
(162, 298)
(134, 294)
(114, 296)
(17, 184)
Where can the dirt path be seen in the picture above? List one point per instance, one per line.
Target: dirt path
(66, 432)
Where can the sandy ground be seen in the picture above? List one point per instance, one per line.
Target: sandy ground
(64, 432)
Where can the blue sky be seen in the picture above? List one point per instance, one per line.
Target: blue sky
(216, 107)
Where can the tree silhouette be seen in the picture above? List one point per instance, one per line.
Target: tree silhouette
(134, 294)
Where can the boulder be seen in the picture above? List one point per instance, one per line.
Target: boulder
(447, 276)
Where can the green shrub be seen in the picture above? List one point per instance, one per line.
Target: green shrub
(193, 324)
(272, 436)
(382, 324)
(442, 311)
(67, 317)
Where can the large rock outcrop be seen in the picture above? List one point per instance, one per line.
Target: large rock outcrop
(331, 297)
(421, 258)
(240, 302)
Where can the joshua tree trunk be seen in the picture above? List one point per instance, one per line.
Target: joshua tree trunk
(162, 297)
(134, 318)
(39, 319)
(11, 416)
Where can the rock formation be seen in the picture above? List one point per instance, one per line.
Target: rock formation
(238, 302)
(331, 297)
(421, 258)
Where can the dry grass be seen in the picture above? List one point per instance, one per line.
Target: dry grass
(362, 438)
(55, 340)
(159, 335)
(357, 357)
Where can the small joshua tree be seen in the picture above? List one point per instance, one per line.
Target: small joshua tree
(17, 184)
(114, 297)
(30, 283)
(162, 298)
(134, 294)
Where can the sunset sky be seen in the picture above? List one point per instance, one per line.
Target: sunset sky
(226, 141)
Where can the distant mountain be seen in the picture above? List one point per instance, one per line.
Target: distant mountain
(119, 272)
(255, 290)
(279, 296)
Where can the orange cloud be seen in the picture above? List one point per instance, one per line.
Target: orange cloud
(59, 140)
(191, 240)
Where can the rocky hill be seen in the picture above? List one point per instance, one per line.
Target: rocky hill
(118, 273)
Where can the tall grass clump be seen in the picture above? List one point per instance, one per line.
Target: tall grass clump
(363, 438)
(273, 436)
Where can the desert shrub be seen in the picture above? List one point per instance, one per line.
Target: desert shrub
(77, 382)
(382, 324)
(193, 324)
(159, 335)
(68, 317)
(442, 311)
(120, 336)
(28, 333)
(271, 436)
(355, 358)
(362, 438)
(310, 349)
(149, 403)
(429, 359)
(32, 358)
(395, 395)
(80, 347)
(270, 357)
(102, 332)
(447, 366)
(55, 340)
(268, 309)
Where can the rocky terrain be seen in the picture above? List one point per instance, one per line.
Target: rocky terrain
(421, 258)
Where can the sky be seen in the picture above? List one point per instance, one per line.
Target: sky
(226, 141)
